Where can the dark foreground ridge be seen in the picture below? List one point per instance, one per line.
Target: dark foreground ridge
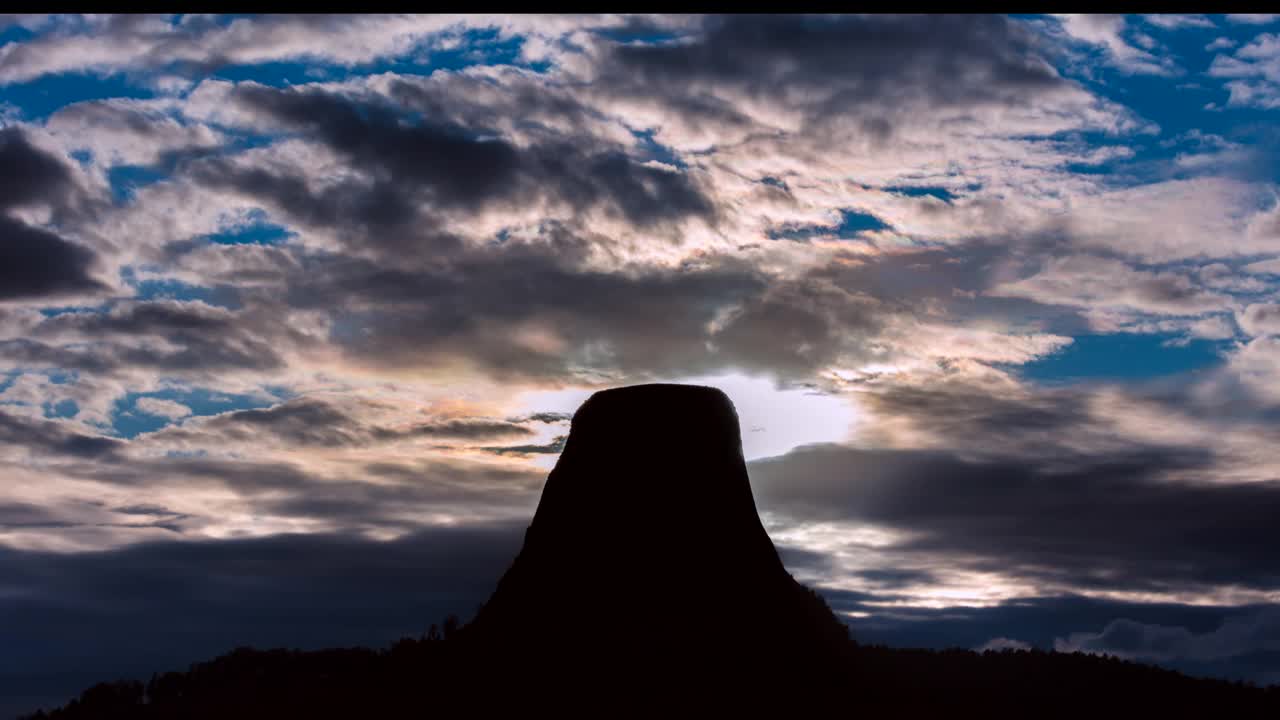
(646, 580)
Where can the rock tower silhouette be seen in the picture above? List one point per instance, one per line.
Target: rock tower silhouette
(646, 564)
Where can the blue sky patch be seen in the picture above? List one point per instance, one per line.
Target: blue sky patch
(257, 234)
(922, 191)
(126, 179)
(225, 297)
(14, 33)
(129, 421)
(656, 150)
(480, 47)
(62, 409)
(853, 222)
(1120, 357)
(43, 96)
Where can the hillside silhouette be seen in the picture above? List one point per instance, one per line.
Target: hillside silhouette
(647, 581)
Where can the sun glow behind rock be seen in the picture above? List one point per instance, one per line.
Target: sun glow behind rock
(773, 419)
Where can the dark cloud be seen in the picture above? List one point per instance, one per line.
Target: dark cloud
(149, 510)
(892, 578)
(465, 429)
(35, 262)
(874, 69)
(1114, 520)
(529, 103)
(549, 418)
(27, 516)
(365, 213)
(551, 448)
(31, 175)
(315, 422)
(537, 311)
(795, 327)
(403, 496)
(1239, 635)
(1048, 622)
(970, 416)
(445, 166)
(299, 422)
(351, 497)
(802, 561)
(52, 437)
(38, 263)
(169, 335)
(478, 306)
(74, 619)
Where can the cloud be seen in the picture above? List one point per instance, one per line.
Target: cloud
(33, 436)
(107, 44)
(1253, 632)
(551, 448)
(1114, 521)
(161, 407)
(1040, 621)
(450, 167)
(1252, 72)
(120, 131)
(1000, 644)
(1108, 32)
(549, 418)
(1264, 267)
(745, 74)
(390, 234)
(529, 312)
(35, 175)
(316, 422)
(1099, 285)
(35, 262)
(179, 337)
(1260, 319)
(1252, 18)
(77, 618)
(1177, 22)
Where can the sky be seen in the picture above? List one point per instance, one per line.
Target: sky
(294, 311)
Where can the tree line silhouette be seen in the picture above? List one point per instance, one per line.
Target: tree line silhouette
(437, 672)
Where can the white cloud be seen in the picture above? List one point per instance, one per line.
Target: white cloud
(1175, 22)
(1252, 19)
(1100, 284)
(1107, 32)
(1260, 319)
(108, 44)
(161, 407)
(998, 644)
(1253, 72)
(1264, 267)
(1258, 631)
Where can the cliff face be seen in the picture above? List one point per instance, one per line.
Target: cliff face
(646, 550)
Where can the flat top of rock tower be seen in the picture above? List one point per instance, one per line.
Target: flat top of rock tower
(661, 409)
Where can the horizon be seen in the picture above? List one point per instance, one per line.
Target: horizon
(295, 311)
